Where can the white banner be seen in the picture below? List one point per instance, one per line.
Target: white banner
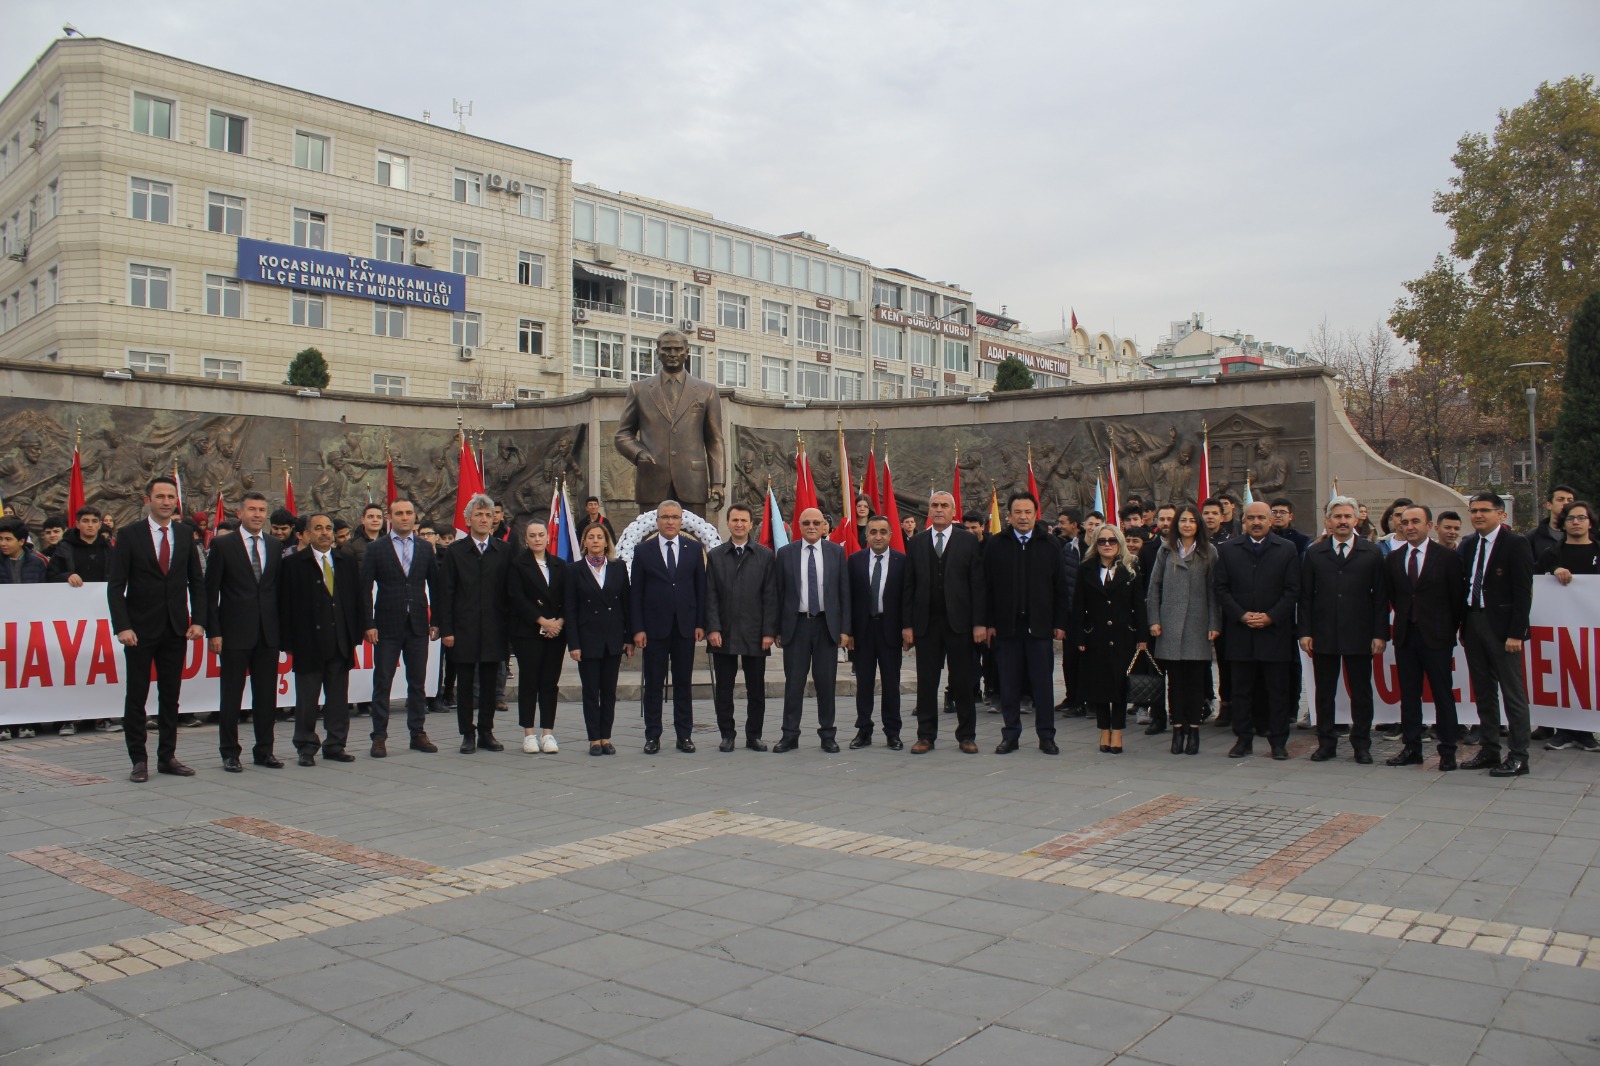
(1560, 664)
(60, 662)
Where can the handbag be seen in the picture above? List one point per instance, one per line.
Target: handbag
(1146, 687)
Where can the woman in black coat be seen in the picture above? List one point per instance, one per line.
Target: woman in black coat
(1108, 626)
(537, 591)
(598, 632)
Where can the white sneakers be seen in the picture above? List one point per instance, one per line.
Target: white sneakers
(530, 744)
(549, 742)
(533, 744)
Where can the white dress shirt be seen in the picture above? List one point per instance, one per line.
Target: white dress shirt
(805, 581)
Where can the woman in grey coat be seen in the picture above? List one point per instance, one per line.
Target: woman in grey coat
(1182, 610)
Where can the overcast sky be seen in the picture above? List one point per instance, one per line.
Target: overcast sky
(1267, 163)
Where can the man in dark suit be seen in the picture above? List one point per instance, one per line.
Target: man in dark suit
(741, 625)
(1428, 588)
(321, 608)
(813, 621)
(1029, 607)
(943, 614)
(474, 601)
(1258, 584)
(400, 579)
(671, 430)
(242, 622)
(1499, 598)
(1343, 622)
(156, 594)
(877, 584)
(668, 609)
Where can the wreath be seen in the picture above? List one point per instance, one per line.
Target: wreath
(642, 527)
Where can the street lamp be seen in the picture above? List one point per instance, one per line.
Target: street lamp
(1531, 394)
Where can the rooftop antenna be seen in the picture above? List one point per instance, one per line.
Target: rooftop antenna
(462, 113)
(427, 116)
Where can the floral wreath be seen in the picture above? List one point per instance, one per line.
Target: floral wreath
(643, 526)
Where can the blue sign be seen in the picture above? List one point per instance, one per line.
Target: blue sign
(315, 270)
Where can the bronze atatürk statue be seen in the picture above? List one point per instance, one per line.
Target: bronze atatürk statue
(671, 431)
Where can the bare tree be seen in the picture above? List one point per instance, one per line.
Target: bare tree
(1370, 364)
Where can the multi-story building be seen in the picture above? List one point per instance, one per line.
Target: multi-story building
(1057, 358)
(1191, 350)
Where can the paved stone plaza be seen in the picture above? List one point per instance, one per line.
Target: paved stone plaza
(868, 907)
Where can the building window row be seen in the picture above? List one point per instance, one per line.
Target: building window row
(30, 134)
(609, 356)
(16, 230)
(26, 300)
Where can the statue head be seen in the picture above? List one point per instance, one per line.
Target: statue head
(201, 443)
(747, 462)
(1075, 471)
(225, 445)
(1264, 447)
(1134, 445)
(1186, 454)
(31, 444)
(564, 446)
(672, 350)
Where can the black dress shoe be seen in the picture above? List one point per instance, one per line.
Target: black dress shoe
(893, 742)
(338, 756)
(1364, 757)
(1484, 760)
(271, 762)
(862, 739)
(1105, 749)
(1323, 755)
(307, 760)
(726, 745)
(1514, 766)
(1049, 747)
(686, 745)
(831, 747)
(755, 744)
(786, 744)
(1241, 748)
(652, 747)
(1191, 743)
(597, 749)
(1006, 747)
(1447, 763)
(487, 742)
(175, 768)
(1177, 741)
(232, 766)
(1280, 752)
(1408, 757)
(608, 747)
(468, 745)
(140, 774)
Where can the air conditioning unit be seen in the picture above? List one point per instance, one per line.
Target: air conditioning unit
(497, 182)
(514, 187)
(855, 308)
(605, 253)
(422, 257)
(687, 325)
(466, 354)
(419, 236)
(580, 314)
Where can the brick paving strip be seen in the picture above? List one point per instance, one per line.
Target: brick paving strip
(65, 972)
(50, 772)
(330, 847)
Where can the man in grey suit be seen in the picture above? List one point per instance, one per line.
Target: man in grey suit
(813, 620)
(671, 431)
(741, 625)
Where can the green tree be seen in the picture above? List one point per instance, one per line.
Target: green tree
(1012, 375)
(1524, 207)
(1575, 455)
(309, 370)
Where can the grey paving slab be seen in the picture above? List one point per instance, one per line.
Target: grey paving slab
(318, 1039)
(1084, 1019)
(505, 1038)
(1127, 981)
(214, 1020)
(899, 1031)
(127, 1043)
(700, 1037)
(1402, 1036)
(1522, 1049)
(1272, 1010)
(997, 1045)
(805, 1051)
(1550, 1016)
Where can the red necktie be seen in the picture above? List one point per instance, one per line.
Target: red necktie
(164, 553)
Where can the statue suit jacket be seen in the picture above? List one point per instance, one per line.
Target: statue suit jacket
(678, 452)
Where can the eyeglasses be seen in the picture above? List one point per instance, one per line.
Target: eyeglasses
(1106, 540)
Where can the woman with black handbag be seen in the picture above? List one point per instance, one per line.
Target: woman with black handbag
(1182, 609)
(1108, 627)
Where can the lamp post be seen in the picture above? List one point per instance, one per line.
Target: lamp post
(1531, 394)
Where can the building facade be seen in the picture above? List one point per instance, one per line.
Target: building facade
(1191, 350)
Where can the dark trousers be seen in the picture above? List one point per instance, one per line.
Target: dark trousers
(1356, 671)
(877, 662)
(385, 657)
(936, 649)
(677, 652)
(1496, 674)
(539, 662)
(1275, 681)
(1417, 661)
(261, 663)
(1188, 681)
(165, 653)
(811, 653)
(1025, 662)
(475, 691)
(599, 680)
(332, 681)
(1110, 715)
(724, 672)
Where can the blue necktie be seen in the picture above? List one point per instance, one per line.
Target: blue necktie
(672, 563)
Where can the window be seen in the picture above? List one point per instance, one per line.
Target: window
(219, 369)
(775, 375)
(467, 187)
(847, 384)
(694, 303)
(530, 269)
(652, 298)
(310, 228)
(388, 385)
(597, 355)
(530, 394)
(678, 244)
(852, 284)
(802, 272)
(582, 220)
(225, 133)
(741, 258)
(885, 342)
(733, 310)
(33, 296)
(921, 347)
(224, 213)
(811, 382)
(952, 389)
(987, 371)
(308, 308)
(224, 296)
(655, 238)
(531, 203)
(697, 360)
(957, 356)
(389, 243)
(606, 220)
(885, 294)
(921, 387)
(733, 369)
(955, 311)
(389, 320)
(151, 200)
(699, 248)
(641, 358)
(722, 253)
(394, 170)
(891, 386)
(5, 238)
(52, 286)
(5, 314)
(466, 328)
(150, 362)
(52, 114)
(847, 335)
(811, 327)
(530, 337)
(466, 390)
(149, 286)
(52, 199)
(763, 269)
(152, 115)
(774, 318)
(1521, 469)
(465, 256)
(632, 231)
(921, 302)
(311, 151)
